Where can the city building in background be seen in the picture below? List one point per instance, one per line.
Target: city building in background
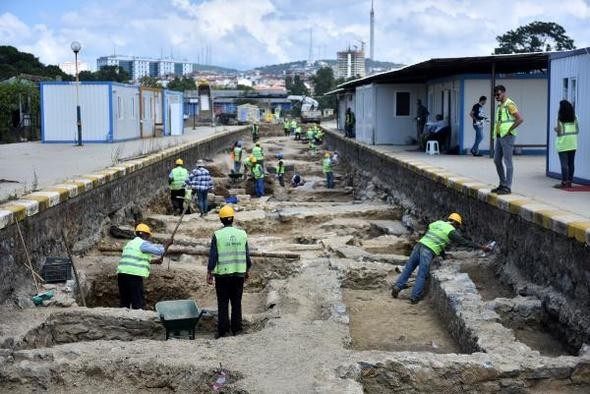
(350, 63)
(139, 67)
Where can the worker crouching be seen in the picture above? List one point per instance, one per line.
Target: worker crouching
(135, 265)
(433, 243)
(229, 263)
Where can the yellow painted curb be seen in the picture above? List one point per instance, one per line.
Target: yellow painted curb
(19, 212)
(43, 201)
(578, 230)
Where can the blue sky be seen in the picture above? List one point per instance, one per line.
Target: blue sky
(248, 33)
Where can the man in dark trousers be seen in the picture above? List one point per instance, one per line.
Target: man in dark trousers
(433, 243)
(349, 122)
(479, 117)
(135, 265)
(421, 118)
(229, 263)
(176, 180)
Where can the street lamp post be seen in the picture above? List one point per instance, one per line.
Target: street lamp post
(76, 46)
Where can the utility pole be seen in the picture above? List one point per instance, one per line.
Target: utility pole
(76, 47)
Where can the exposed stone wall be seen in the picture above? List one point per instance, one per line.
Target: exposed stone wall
(543, 256)
(83, 215)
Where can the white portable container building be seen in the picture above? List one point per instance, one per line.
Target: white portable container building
(109, 112)
(173, 103)
(150, 110)
(569, 78)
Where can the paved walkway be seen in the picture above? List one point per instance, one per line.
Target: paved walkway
(529, 175)
(54, 163)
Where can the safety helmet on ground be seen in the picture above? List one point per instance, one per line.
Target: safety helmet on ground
(179, 162)
(456, 217)
(226, 212)
(143, 228)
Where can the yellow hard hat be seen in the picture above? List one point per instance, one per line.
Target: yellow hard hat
(143, 228)
(179, 162)
(252, 159)
(226, 212)
(327, 154)
(456, 217)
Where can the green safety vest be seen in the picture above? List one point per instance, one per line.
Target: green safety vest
(310, 134)
(327, 165)
(286, 124)
(179, 175)
(293, 123)
(297, 130)
(257, 153)
(237, 154)
(134, 261)
(281, 170)
(231, 251)
(257, 171)
(247, 163)
(504, 120)
(437, 236)
(255, 128)
(568, 139)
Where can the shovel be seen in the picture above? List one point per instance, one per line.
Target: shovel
(186, 206)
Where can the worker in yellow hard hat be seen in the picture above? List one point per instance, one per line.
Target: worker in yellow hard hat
(176, 180)
(433, 243)
(258, 173)
(135, 265)
(229, 263)
(327, 168)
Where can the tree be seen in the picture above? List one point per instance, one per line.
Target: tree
(112, 73)
(323, 82)
(149, 82)
(295, 86)
(182, 84)
(534, 37)
(13, 63)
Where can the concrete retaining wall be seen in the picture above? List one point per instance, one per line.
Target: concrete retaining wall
(81, 206)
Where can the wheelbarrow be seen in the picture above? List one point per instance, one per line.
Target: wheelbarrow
(179, 316)
(235, 177)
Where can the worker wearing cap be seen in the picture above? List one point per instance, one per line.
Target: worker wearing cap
(176, 180)
(201, 183)
(135, 265)
(328, 171)
(433, 243)
(255, 130)
(258, 173)
(258, 154)
(229, 263)
(237, 151)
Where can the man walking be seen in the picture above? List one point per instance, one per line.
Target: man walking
(237, 157)
(433, 243)
(281, 173)
(135, 265)
(176, 180)
(478, 115)
(229, 263)
(200, 181)
(255, 129)
(328, 171)
(507, 120)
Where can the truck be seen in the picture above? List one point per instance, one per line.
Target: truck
(310, 111)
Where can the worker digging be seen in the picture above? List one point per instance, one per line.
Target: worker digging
(302, 278)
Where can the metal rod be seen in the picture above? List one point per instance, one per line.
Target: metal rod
(65, 240)
(29, 264)
(186, 206)
(78, 113)
(492, 109)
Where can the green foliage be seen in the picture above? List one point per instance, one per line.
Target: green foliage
(107, 73)
(534, 37)
(183, 84)
(149, 82)
(13, 62)
(295, 86)
(323, 82)
(11, 95)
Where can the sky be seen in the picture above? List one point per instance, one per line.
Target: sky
(244, 34)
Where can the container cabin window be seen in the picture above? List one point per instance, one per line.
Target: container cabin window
(119, 108)
(402, 104)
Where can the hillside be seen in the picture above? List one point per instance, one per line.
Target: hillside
(279, 69)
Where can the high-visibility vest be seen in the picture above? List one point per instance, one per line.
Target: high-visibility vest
(247, 163)
(237, 154)
(568, 139)
(293, 123)
(281, 170)
(257, 171)
(255, 128)
(437, 236)
(297, 130)
(257, 153)
(327, 165)
(179, 175)
(504, 119)
(231, 251)
(133, 260)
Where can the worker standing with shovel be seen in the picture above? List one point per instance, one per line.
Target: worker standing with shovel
(134, 266)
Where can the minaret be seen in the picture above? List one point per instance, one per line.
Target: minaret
(372, 32)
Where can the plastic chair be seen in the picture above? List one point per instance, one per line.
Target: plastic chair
(432, 147)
